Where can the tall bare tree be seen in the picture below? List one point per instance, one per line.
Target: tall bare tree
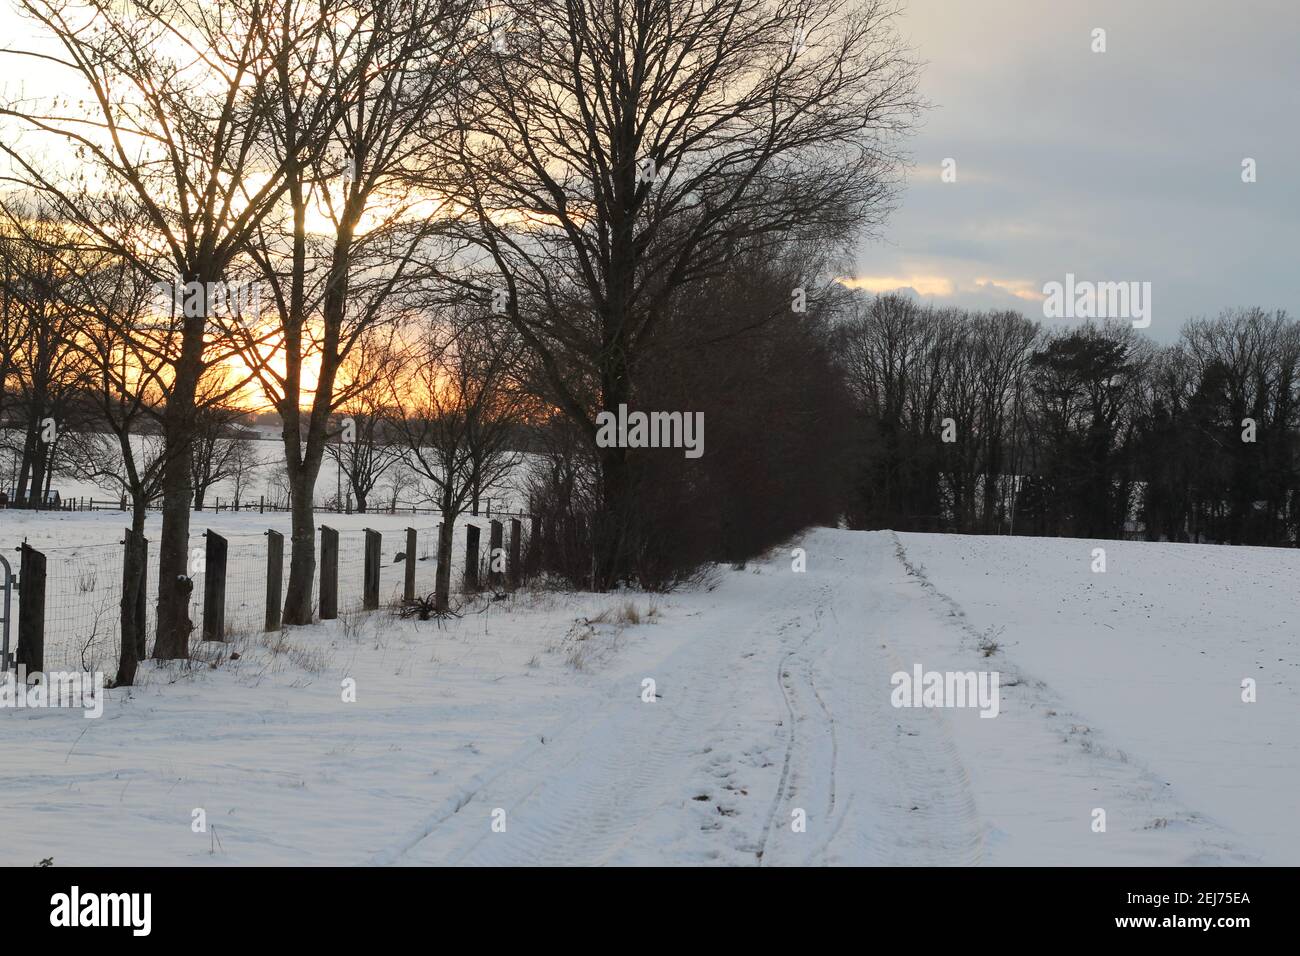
(168, 105)
(43, 367)
(124, 388)
(352, 238)
(455, 411)
(617, 151)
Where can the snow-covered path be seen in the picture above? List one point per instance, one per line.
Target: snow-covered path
(521, 736)
(772, 708)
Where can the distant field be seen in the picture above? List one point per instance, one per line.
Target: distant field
(263, 482)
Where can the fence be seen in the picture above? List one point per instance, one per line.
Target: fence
(259, 504)
(69, 599)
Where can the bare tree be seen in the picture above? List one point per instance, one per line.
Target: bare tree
(365, 449)
(400, 480)
(332, 289)
(10, 332)
(1004, 343)
(170, 109)
(219, 450)
(618, 151)
(894, 356)
(42, 365)
(457, 407)
(242, 463)
(123, 385)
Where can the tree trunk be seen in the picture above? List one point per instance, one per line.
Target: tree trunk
(173, 636)
(31, 452)
(38, 476)
(304, 470)
(613, 525)
(611, 532)
(47, 465)
(302, 558)
(172, 639)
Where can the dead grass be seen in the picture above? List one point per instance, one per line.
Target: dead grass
(314, 660)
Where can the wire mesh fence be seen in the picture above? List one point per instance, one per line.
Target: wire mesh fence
(245, 598)
(83, 585)
(426, 560)
(83, 592)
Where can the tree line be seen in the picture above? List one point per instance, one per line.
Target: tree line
(992, 423)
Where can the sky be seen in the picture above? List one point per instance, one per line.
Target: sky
(1117, 166)
(1122, 166)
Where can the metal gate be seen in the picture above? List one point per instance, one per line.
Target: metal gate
(5, 612)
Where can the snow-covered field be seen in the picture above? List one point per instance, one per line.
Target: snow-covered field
(1120, 691)
(264, 479)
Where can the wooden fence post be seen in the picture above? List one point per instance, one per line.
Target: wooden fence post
(214, 587)
(370, 592)
(496, 551)
(516, 572)
(274, 576)
(140, 606)
(329, 573)
(408, 583)
(31, 610)
(471, 557)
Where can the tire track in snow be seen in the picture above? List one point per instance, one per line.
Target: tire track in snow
(902, 791)
(614, 783)
(591, 791)
(628, 767)
(792, 720)
(796, 661)
(1140, 782)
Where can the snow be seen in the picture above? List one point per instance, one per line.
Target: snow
(1119, 691)
(1144, 664)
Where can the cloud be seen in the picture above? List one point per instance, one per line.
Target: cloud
(975, 293)
(920, 284)
(1122, 166)
(1019, 288)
